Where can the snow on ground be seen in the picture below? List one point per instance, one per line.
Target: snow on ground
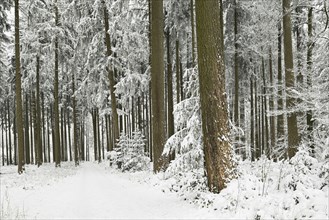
(88, 192)
(264, 190)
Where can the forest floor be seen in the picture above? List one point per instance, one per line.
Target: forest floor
(91, 191)
(296, 189)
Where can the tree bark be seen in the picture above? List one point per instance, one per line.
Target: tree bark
(18, 89)
(217, 148)
(56, 96)
(157, 87)
(280, 119)
(309, 114)
(115, 121)
(37, 131)
(293, 138)
(170, 104)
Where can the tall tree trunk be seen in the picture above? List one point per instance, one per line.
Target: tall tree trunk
(48, 134)
(69, 131)
(26, 128)
(257, 150)
(280, 119)
(170, 104)
(6, 127)
(2, 138)
(32, 132)
(98, 137)
(178, 87)
(271, 107)
(56, 96)
(309, 114)
(236, 70)
(15, 133)
(43, 127)
(115, 121)
(217, 148)
(193, 32)
(265, 118)
(9, 133)
(299, 12)
(95, 132)
(293, 138)
(37, 130)
(75, 125)
(157, 90)
(18, 90)
(252, 116)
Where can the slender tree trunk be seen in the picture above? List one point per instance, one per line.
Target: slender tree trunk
(170, 104)
(280, 119)
(43, 128)
(252, 116)
(95, 133)
(75, 125)
(309, 115)
(6, 127)
(293, 138)
(193, 33)
(32, 132)
(27, 136)
(181, 82)
(2, 138)
(56, 96)
(299, 44)
(18, 90)
(272, 118)
(62, 134)
(37, 130)
(115, 121)
(15, 134)
(257, 151)
(217, 148)
(236, 70)
(48, 132)
(178, 87)
(98, 137)
(265, 118)
(9, 133)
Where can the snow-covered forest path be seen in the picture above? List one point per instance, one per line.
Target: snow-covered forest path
(96, 193)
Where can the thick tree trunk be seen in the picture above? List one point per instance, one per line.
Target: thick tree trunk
(217, 148)
(157, 90)
(293, 138)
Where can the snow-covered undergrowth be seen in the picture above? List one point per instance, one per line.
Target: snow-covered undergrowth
(295, 189)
